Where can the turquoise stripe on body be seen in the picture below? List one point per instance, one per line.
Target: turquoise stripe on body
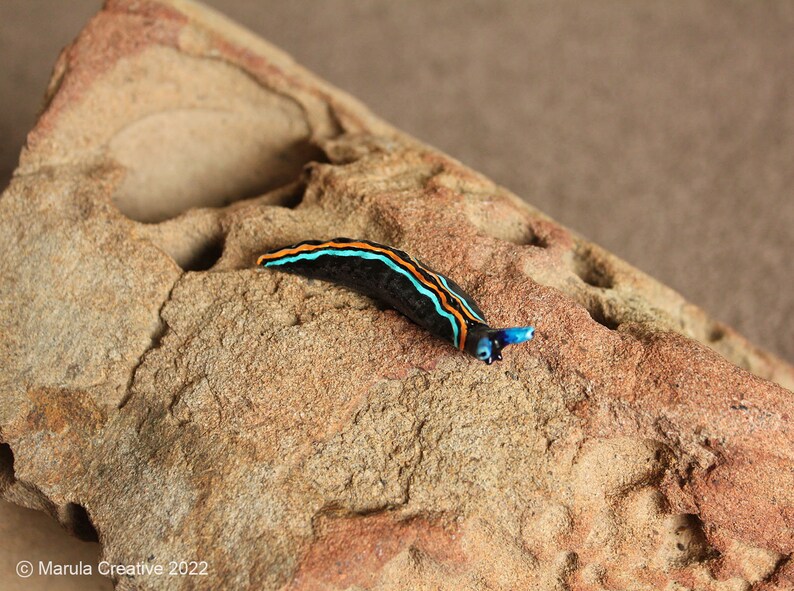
(460, 298)
(384, 259)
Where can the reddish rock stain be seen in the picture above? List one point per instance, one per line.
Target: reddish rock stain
(352, 550)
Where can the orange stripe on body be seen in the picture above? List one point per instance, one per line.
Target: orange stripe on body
(454, 295)
(364, 246)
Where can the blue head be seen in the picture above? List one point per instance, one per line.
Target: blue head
(486, 344)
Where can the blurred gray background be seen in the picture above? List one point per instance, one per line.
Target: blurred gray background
(662, 131)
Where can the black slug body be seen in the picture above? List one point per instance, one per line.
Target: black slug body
(430, 299)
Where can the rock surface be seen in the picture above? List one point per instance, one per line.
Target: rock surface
(160, 393)
(31, 535)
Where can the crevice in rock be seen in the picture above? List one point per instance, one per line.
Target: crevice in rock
(538, 241)
(290, 195)
(204, 256)
(417, 462)
(195, 241)
(75, 519)
(716, 333)
(774, 575)
(339, 510)
(598, 312)
(7, 477)
(156, 338)
(687, 535)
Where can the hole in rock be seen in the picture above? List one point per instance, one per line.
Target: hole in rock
(75, 519)
(6, 466)
(538, 241)
(591, 269)
(599, 313)
(717, 333)
(685, 536)
(183, 159)
(203, 256)
(291, 196)
(502, 220)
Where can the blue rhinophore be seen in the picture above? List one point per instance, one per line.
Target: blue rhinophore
(518, 334)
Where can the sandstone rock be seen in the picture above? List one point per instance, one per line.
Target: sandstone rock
(31, 535)
(162, 394)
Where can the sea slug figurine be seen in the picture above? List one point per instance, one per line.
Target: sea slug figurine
(427, 297)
